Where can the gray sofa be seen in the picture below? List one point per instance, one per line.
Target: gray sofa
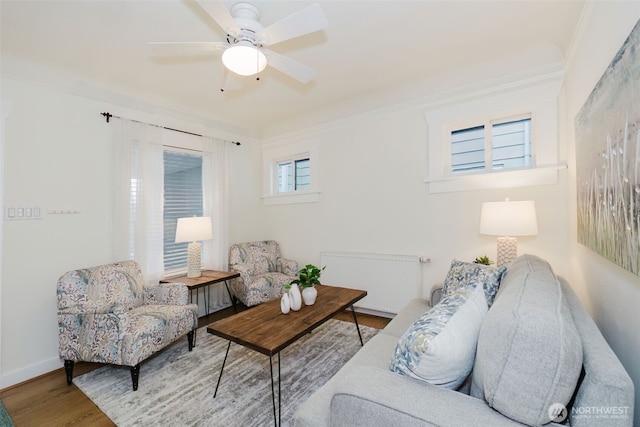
(535, 327)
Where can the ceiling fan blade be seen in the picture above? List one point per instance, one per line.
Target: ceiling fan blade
(216, 10)
(304, 21)
(186, 48)
(288, 66)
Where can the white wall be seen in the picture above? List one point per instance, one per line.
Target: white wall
(374, 199)
(612, 293)
(245, 222)
(57, 155)
(5, 110)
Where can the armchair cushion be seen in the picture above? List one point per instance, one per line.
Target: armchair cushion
(166, 294)
(150, 328)
(260, 260)
(287, 266)
(263, 272)
(113, 286)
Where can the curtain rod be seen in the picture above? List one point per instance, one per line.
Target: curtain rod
(107, 116)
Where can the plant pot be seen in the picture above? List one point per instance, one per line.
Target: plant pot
(295, 299)
(309, 295)
(285, 306)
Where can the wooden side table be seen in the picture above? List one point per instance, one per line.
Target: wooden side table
(208, 278)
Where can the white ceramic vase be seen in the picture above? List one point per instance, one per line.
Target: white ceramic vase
(285, 306)
(309, 295)
(295, 299)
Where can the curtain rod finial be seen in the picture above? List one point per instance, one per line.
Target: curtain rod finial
(107, 116)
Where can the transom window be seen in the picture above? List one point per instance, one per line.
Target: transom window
(499, 144)
(293, 175)
(291, 172)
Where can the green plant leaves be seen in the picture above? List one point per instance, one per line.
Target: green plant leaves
(483, 260)
(309, 276)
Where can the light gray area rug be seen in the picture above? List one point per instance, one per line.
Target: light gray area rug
(176, 386)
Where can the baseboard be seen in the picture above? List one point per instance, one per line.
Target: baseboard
(21, 375)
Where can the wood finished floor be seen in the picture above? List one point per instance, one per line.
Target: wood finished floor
(48, 400)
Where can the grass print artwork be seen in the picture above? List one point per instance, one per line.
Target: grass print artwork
(608, 160)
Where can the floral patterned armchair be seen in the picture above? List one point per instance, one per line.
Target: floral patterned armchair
(263, 273)
(107, 314)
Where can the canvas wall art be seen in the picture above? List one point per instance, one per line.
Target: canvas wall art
(608, 160)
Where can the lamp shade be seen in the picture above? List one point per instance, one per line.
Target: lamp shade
(193, 229)
(517, 218)
(244, 59)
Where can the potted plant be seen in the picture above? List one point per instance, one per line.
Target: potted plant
(307, 278)
(483, 260)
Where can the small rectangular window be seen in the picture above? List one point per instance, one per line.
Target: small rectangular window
(302, 174)
(293, 175)
(290, 172)
(285, 177)
(511, 144)
(467, 149)
(506, 146)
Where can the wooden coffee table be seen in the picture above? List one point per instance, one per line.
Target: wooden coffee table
(266, 330)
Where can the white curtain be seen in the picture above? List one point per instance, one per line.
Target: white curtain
(138, 201)
(215, 191)
(138, 196)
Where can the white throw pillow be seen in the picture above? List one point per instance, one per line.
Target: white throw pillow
(440, 346)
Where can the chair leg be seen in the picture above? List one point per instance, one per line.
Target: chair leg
(135, 373)
(68, 369)
(190, 336)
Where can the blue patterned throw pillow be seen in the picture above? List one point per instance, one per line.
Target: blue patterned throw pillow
(463, 274)
(440, 346)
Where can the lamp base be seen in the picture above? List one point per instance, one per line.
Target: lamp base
(507, 250)
(193, 260)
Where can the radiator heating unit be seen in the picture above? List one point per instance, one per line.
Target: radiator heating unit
(391, 281)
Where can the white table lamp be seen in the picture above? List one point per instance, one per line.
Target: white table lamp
(193, 230)
(508, 219)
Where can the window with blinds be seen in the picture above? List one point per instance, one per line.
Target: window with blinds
(293, 175)
(182, 198)
(494, 146)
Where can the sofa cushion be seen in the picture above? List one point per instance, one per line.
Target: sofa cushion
(405, 318)
(316, 410)
(463, 274)
(529, 352)
(439, 347)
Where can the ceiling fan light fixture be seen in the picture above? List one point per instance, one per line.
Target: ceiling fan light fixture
(244, 59)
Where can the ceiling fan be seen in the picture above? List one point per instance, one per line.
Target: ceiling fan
(244, 52)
